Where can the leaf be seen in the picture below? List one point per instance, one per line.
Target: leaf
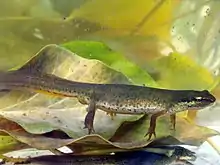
(8, 144)
(178, 71)
(105, 147)
(99, 51)
(46, 142)
(36, 141)
(150, 19)
(138, 49)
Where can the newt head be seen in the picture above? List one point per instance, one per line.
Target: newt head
(192, 100)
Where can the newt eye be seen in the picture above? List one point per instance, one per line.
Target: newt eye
(198, 98)
(192, 99)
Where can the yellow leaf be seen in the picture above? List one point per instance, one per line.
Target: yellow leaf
(179, 71)
(125, 15)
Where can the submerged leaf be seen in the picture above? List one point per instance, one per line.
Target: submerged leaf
(8, 144)
(99, 51)
(31, 140)
(83, 145)
(86, 145)
(148, 20)
(178, 71)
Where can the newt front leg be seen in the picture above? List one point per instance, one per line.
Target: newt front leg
(89, 119)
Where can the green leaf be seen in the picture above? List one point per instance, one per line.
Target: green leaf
(99, 51)
(8, 143)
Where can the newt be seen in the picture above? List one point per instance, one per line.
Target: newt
(143, 157)
(112, 98)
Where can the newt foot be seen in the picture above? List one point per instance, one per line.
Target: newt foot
(172, 127)
(90, 127)
(151, 131)
(89, 119)
(88, 123)
(112, 114)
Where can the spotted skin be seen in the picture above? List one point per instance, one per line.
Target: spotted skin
(112, 98)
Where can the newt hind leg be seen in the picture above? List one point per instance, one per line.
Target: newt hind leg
(173, 121)
(151, 129)
(153, 120)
